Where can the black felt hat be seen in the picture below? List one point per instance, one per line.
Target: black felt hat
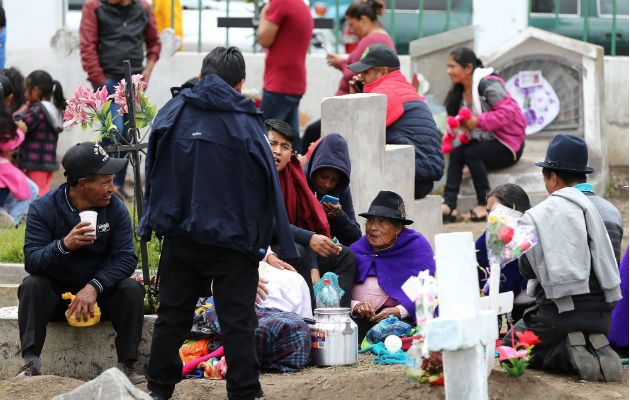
(389, 205)
(567, 153)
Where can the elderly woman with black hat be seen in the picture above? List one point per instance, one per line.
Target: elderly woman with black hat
(387, 256)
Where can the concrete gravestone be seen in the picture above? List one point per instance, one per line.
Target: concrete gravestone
(360, 119)
(463, 330)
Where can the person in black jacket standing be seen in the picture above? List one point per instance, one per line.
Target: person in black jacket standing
(217, 222)
(63, 254)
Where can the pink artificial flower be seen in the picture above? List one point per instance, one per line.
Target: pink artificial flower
(100, 98)
(120, 97)
(507, 352)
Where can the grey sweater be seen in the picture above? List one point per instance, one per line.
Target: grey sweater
(572, 240)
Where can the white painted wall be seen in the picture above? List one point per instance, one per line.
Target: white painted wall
(496, 21)
(616, 109)
(30, 29)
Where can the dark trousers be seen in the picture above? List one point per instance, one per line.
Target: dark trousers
(285, 108)
(478, 156)
(343, 264)
(422, 189)
(552, 328)
(41, 302)
(186, 270)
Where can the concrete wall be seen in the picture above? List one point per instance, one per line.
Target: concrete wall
(322, 80)
(28, 29)
(429, 56)
(616, 109)
(496, 21)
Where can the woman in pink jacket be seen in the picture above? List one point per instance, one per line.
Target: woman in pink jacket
(496, 130)
(16, 190)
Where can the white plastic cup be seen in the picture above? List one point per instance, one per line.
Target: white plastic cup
(89, 216)
(393, 343)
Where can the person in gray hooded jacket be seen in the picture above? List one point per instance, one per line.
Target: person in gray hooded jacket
(572, 273)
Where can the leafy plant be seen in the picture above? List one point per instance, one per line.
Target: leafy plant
(515, 359)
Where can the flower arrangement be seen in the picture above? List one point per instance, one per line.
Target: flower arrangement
(152, 296)
(515, 358)
(91, 108)
(433, 369)
(505, 238)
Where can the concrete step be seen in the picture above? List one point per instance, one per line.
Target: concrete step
(81, 353)
(12, 273)
(8, 294)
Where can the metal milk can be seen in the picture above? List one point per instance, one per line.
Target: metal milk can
(334, 337)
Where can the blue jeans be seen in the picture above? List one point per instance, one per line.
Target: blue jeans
(17, 208)
(283, 107)
(122, 136)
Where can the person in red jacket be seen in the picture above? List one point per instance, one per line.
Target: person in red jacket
(112, 31)
(408, 119)
(285, 31)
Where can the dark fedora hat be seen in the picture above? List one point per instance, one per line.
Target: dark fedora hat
(389, 205)
(567, 153)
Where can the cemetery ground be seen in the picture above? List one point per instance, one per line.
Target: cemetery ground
(366, 380)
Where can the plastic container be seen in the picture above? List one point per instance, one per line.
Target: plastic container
(327, 297)
(82, 324)
(414, 371)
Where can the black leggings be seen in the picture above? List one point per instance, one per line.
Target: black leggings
(478, 156)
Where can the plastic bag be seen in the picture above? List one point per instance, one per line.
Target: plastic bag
(388, 326)
(334, 282)
(205, 320)
(506, 239)
(425, 305)
(193, 350)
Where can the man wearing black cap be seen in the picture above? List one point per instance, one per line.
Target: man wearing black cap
(572, 272)
(63, 254)
(409, 120)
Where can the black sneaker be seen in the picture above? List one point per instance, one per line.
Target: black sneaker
(581, 359)
(608, 359)
(28, 369)
(130, 373)
(156, 396)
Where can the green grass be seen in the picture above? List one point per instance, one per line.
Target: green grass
(12, 247)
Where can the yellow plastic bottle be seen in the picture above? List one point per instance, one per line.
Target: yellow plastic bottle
(91, 320)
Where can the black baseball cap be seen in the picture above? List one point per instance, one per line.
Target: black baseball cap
(88, 158)
(376, 55)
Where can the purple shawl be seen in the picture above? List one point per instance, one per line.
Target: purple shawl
(411, 254)
(618, 335)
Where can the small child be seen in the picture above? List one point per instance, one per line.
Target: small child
(44, 121)
(16, 190)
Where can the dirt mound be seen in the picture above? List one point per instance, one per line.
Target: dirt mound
(362, 381)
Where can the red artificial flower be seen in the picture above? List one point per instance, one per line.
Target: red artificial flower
(527, 338)
(525, 245)
(505, 233)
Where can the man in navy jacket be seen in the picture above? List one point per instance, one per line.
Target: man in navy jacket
(213, 193)
(63, 254)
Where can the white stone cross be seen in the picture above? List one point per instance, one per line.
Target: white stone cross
(463, 330)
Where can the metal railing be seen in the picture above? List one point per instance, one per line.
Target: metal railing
(585, 11)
